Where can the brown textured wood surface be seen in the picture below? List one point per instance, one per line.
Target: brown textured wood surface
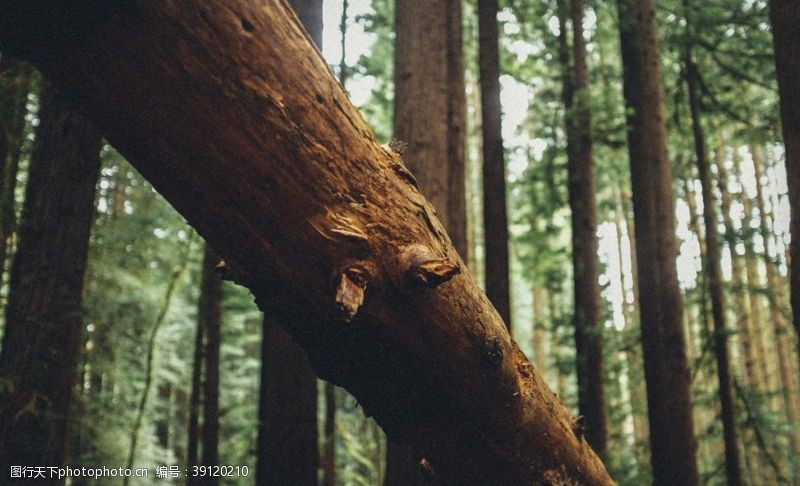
(233, 116)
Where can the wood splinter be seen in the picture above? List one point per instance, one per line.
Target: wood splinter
(350, 292)
(425, 270)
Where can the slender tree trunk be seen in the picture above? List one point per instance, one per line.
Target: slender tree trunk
(476, 263)
(754, 288)
(698, 339)
(672, 442)
(324, 225)
(636, 385)
(713, 270)
(786, 38)
(209, 315)
(588, 313)
(165, 415)
(742, 305)
(181, 418)
(192, 435)
(495, 218)
(44, 314)
(430, 103)
(456, 131)
(329, 449)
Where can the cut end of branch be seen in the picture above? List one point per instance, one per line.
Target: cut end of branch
(424, 269)
(434, 273)
(350, 292)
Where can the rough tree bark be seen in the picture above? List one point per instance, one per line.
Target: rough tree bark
(713, 271)
(495, 217)
(209, 314)
(672, 442)
(44, 315)
(587, 318)
(786, 40)
(232, 115)
(429, 116)
(287, 440)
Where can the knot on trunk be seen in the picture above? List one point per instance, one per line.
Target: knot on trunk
(424, 269)
(350, 291)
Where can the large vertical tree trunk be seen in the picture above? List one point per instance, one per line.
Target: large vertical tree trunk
(495, 218)
(287, 436)
(786, 39)
(44, 315)
(287, 441)
(713, 271)
(672, 442)
(429, 116)
(231, 114)
(588, 313)
(209, 313)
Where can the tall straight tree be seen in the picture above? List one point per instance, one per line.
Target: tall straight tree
(288, 452)
(44, 315)
(495, 217)
(193, 426)
(786, 41)
(429, 116)
(672, 442)
(209, 317)
(580, 166)
(713, 265)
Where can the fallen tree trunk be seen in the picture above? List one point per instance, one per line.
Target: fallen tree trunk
(228, 110)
